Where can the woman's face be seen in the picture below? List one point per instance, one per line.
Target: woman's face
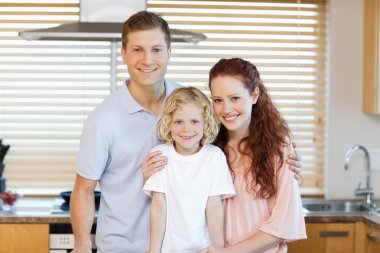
(232, 103)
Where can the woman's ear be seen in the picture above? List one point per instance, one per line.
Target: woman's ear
(255, 95)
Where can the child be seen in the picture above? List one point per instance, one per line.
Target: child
(267, 208)
(189, 190)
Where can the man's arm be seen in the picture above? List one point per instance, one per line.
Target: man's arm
(157, 222)
(82, 212)
(214, 216)
(153, 163)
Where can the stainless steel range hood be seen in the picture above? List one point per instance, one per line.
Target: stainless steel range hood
(102, 20)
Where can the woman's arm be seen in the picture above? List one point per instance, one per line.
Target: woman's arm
(214, 216)
(257, 243)
(157, 222)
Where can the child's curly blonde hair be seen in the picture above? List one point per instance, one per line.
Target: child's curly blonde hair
(176, 100)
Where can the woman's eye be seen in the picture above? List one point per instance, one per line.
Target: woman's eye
(235, 98)
(217, 100)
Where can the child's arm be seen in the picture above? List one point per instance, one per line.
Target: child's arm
(214, 216)
(157, 222)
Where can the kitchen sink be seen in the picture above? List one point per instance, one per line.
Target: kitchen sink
(335, 206)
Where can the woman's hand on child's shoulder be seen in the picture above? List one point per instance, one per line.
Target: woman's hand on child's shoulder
(153, 163)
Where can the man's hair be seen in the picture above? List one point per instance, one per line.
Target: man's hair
(175, 101)
(145, 20)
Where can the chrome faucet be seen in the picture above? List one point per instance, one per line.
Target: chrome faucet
(368, 190)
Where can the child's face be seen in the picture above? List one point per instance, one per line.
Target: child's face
(232, 103)
(186, 128)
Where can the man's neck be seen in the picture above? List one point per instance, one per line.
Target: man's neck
(149, 97)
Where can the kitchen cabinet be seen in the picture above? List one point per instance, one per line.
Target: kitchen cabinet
(326, 238)
(31, 238)
(373, 239)
(371, 89)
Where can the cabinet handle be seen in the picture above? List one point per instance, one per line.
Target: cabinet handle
(333, 233)
(374, 237)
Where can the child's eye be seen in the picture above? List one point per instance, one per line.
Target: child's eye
(177, 122)
(194, 122)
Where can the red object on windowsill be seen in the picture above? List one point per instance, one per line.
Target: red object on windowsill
(9, 198)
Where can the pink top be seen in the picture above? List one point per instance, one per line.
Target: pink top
(280, 216)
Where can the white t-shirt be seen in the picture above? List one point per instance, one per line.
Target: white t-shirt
(187, 182)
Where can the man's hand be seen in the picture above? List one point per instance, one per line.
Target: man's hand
(82, 249)
(153, 163)
(295, 162)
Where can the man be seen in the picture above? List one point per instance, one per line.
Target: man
(117, 137)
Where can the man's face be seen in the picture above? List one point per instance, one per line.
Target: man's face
(147, 57)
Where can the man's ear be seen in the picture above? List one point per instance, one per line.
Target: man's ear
(255, 95)
(123, 55)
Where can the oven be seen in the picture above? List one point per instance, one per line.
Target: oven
(61, 238)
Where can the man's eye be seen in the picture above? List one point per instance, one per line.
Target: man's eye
(157, 50)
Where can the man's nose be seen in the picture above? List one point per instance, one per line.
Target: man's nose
(147, 57)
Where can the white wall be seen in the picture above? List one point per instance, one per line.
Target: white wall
(347, 124)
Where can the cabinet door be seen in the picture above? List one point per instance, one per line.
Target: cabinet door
(31, 238)
(326, 238)
(373, 240)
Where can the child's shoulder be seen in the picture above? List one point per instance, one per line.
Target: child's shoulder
(162, 147)
(214, 149)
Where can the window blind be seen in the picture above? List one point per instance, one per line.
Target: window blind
(47, 88)
(285, 39)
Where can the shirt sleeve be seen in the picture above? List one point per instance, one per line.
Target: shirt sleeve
(221, 180)
(157, 182)
(286, 220)
(93, 153)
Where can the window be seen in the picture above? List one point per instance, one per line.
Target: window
(47, 88)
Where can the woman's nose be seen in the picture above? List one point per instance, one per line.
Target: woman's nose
(227, 108)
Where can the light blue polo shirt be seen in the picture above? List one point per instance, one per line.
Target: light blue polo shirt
(116, 138)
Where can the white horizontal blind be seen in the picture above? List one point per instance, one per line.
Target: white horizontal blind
(47, 89)
(285, 39)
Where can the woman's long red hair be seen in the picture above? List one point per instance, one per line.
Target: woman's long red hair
(268, 131)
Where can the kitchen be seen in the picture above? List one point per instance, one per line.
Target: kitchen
(346, 124)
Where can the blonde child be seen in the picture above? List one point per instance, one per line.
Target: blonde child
(189, 190)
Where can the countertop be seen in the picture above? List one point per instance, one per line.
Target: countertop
(36, 211)
(47, 211)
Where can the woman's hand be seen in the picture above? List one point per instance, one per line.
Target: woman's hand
(153, 163)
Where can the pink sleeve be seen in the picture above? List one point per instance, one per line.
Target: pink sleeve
(286, 219)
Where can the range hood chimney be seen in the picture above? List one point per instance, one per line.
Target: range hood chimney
(102, 20)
